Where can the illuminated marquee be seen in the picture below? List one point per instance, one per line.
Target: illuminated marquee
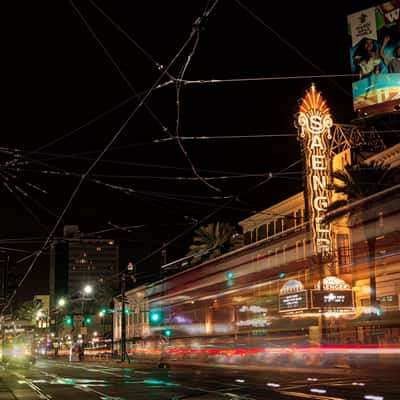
(314, 123)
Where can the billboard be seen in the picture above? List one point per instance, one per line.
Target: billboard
(375, 58)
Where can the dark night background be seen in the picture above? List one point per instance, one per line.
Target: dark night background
(59, 78)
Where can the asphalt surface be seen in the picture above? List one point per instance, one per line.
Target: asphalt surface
(110, 381)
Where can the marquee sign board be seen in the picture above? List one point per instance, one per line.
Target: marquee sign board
(314, 123)
(332, 299)
(293, 301)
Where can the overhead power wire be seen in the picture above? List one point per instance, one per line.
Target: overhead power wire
(159, 66)
(14, 250)
(197, 26)
(196, 31)
(86, 124)
(8, 185)
(267, 78)
(210, 215)
(97, 118)
(288, 44)
(118, 68)
(158, 141)
(88, 171)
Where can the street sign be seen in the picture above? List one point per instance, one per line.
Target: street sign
(83, 330)
(78, 318)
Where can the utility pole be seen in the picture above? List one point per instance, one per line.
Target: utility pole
(123, 317)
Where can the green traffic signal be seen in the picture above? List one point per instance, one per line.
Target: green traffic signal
(155, 317)
(103, 310)
(88, 320)
(168, 333)
(69, 320)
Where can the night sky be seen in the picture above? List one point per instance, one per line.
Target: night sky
(73, 73)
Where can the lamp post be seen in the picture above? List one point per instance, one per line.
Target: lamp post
(123, 317)
(129, 270)
(87, 290)
(60, 304)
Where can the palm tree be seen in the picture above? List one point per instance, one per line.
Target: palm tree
(358, 182)
(218, 238)
(28, 310)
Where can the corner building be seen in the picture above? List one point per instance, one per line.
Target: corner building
(282, 289)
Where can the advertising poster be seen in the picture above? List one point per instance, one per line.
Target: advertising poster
(375, 58)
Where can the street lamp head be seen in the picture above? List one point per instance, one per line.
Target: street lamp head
(61, 302)
(88, 289)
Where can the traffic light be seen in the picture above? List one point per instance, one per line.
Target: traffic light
(168, 332)
(155, 317)
(88, 320)
(379, 311)
(103, 310)
(230, 275)
(69, 320)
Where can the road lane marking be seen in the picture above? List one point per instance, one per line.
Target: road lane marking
(309, 396)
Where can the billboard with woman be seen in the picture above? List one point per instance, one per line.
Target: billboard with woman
(375, 58)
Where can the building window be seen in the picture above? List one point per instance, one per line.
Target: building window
(247, 237)
(271, 230)
(289, 221)
(254, 236)
(262, 232)
(344, 252)
(278, 227)
(298, 218)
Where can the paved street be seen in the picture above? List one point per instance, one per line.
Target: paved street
(86, 381)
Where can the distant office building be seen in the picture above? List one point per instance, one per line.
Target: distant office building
(76, 260)
(42, 317)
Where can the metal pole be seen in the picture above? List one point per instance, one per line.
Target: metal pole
(123, 318)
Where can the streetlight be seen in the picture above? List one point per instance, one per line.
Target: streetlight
(61, 302)
(87, 289)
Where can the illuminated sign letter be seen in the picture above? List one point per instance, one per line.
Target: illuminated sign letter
(318, 162)
(316, 142)
(320, 203)
(319, 182)
(313, 124)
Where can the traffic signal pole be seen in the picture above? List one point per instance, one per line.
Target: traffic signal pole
(123, 318)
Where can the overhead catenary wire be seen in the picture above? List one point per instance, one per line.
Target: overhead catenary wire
(178, 86)
(8, 185)
(266, 78)
(118, 68)
(289, 45)
(196, 30)
(88, 171)
(159, 66)
(209, 215)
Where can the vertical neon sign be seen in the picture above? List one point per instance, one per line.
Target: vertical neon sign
(314, 123)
